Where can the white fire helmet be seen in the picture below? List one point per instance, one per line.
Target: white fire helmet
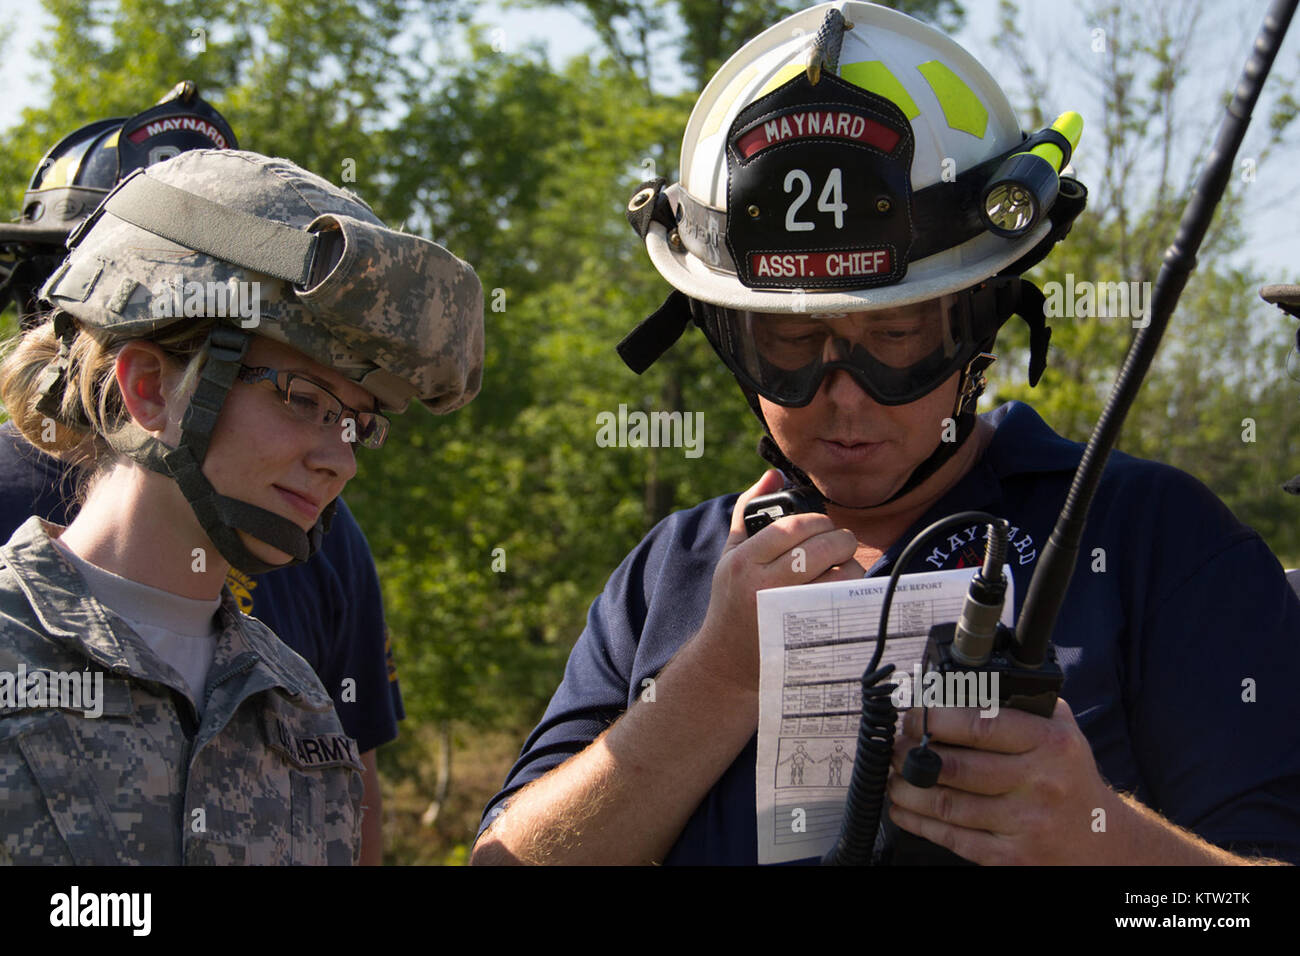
(840, 203)
(858, 167)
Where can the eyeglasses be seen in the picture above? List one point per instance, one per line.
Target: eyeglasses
(316, 404)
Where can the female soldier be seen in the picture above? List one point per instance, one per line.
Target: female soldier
(225, 327)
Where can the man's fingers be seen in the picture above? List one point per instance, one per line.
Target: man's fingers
(770, 483)
(1010, 732)
(978, 846)
(811, 532)
(954, 807)
(973, 771)
(811, 557)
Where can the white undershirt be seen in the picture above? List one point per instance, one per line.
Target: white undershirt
(182, 631)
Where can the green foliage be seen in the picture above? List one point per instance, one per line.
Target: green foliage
(700, 35)
(532, 170)
(308, 79)
(1223, 355)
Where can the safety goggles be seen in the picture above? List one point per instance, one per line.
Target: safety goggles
(896, 355)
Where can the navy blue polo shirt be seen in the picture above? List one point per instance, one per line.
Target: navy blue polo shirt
(1155, 648)
(329, 609)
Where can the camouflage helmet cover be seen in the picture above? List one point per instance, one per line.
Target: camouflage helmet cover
(399, 315)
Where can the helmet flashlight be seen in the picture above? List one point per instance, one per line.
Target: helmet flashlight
(1025, 186)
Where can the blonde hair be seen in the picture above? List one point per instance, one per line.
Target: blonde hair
(90, 407)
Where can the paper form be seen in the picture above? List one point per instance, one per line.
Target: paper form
(815, 641)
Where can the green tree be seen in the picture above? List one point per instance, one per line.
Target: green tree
(532, 171)
(1220, 366)
(308, 79)
(696, 37)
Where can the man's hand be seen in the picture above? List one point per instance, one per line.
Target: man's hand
(1022, 789)
(796, 549)
(1015, 789)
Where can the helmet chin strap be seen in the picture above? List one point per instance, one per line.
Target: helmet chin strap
(969, 389)
(220, 517)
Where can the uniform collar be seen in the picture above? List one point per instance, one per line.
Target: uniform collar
(1024, 443)
(62, 603)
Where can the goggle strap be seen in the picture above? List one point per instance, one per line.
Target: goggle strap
(657, 333)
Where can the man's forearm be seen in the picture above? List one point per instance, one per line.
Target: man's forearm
(1143, 837)
(627, 796)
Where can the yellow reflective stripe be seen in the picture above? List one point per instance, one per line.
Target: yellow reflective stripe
(60, 173)
(783, 75)
(961, 107)
(724, 101)
(875, 77)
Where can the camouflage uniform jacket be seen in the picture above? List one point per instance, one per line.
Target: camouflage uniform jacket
(267, 775)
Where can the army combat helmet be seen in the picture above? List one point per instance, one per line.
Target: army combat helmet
(211, 232)
(78, 172)
(852, 160)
